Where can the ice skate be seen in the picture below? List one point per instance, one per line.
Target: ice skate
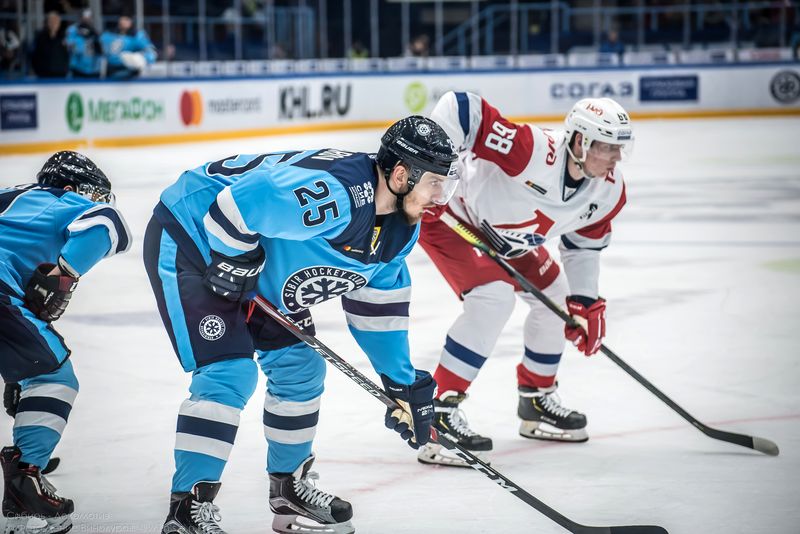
(30, 503)
(195, 512)
(300, 507)
(543, 417)
(450, 419)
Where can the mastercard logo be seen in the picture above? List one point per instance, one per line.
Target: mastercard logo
(191, 108)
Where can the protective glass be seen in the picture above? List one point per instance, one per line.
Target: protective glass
(607, 152)
(438, 188)
(96, 194)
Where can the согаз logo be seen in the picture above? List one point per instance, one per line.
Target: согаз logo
(191, 108)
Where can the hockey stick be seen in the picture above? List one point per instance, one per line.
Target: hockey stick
(444, 439)
(759, 444)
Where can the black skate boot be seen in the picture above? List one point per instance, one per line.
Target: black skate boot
(28, 495)
(449, 418)
(543, 417)
(293, 495)
(195, 512)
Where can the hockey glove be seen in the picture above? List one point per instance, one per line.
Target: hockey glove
(47, 295)
(234, 278)
(11, 398)
(509, 243)
(591, 316)
(412, 420)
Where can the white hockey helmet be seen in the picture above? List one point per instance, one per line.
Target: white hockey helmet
(599, 119)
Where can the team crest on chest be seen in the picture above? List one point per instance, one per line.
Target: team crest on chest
(312, 285)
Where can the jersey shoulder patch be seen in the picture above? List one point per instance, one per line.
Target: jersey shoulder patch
(504, 143)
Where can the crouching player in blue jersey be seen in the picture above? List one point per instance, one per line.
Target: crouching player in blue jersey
(298, 228)
(51, 233)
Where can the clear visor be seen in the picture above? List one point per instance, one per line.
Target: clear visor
(437, 188)
(96, 194)
(610, 153)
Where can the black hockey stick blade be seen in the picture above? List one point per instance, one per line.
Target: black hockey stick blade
(51, 465)
(644, 529)
(448, 442)
(758, 444)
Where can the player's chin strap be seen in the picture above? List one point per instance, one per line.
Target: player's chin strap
(579, 163)
(397, 195)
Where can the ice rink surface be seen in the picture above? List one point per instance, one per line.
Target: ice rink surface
(703, 284)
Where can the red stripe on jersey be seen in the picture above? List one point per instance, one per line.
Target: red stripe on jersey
(449, 381)
(543, 224)
(602, 227)
(508, 145)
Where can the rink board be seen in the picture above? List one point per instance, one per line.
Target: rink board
(46, 116)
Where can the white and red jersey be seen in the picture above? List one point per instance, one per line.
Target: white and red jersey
(513, 177)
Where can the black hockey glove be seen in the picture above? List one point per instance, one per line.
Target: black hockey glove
(11, 398)
(234, 278)
(508, 243)
(47, 295)
(414, 417)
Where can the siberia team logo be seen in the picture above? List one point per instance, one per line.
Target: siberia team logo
(362, 194)
(212, 327)
(313, 285)
(191, 108)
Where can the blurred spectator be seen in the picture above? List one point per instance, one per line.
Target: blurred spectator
(127, 51)
(50, 55)
(358, 51)
(611, 44)
(9, 46)
(767, 34)
(279, 51)
(61, 7)
(794, 39)
(84, 48)
(419, 46)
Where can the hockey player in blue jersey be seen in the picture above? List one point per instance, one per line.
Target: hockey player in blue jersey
(51, 233)
(298, 228)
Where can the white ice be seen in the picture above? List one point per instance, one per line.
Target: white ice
(703, 284)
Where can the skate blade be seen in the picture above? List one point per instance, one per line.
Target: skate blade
(435, 454)
(289, 524)
(35, 525)
(544, 431)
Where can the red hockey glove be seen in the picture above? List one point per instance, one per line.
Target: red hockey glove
(591, 316)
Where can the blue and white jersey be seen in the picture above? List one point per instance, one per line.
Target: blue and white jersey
(114, 44)
(313, 212)
(84, 49)
(39, 224)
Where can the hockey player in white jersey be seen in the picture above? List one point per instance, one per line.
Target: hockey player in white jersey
(520, 186)
(51, 233)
